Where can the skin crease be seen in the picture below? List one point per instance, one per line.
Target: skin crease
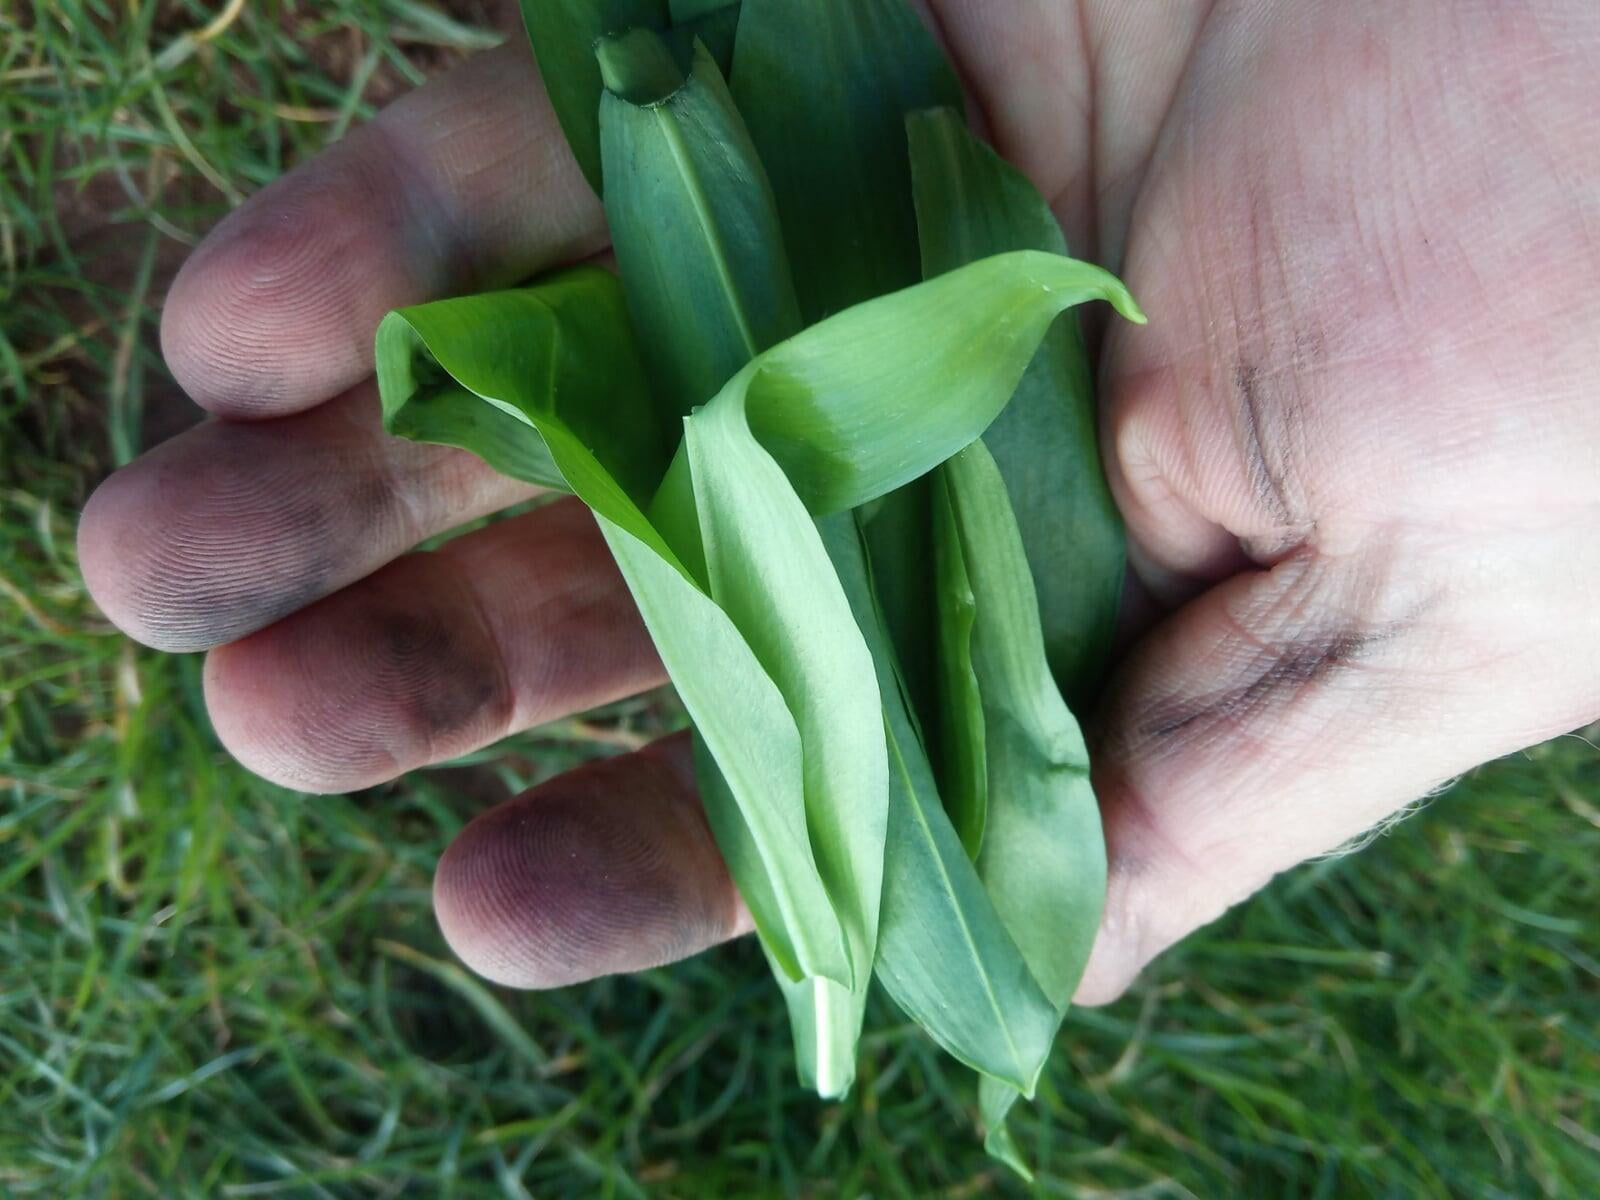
(1357, 448)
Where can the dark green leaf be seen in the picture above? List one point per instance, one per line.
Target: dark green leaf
(693, 226)
(564, 33)
(964, 769)
(971, 203)
(824, 87)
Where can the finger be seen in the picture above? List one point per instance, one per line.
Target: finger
(1287, 711)
(437, 654)
(224, 529)
(461, 185)
(605, 869)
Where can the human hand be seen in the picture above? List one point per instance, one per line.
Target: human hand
(1353, 448)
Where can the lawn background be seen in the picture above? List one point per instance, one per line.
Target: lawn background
(213, 987)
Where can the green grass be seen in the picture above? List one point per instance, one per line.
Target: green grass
(213, 987)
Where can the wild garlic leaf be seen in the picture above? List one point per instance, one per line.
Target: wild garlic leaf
(770, 573)
(830, 407)
(1043, 857)
(964, 773)
(971, 203)
(942, 952)
(873, 397)
(562, 349)
(563, 33)
(697, 240)
(559, 359)
(693, 225)
(824, 87)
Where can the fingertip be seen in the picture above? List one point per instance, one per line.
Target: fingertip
(275, 311)
(610, 868)
(379, 678)
(119, 556)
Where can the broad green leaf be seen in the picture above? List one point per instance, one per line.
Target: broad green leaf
(942, 952)
(824, 87)
(692, 223)
(745, 723)
(562, 349)
(971, 203)
(829, 407)
(875, 396)
(572, 365)
(697, 240)
(1043, 856)
(770, 573)
(563, 33)
(964, 770)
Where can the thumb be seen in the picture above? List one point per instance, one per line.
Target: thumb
(1287, 710)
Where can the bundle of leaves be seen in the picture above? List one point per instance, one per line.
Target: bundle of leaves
(840, 440)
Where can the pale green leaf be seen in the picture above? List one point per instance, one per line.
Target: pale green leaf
(1043, 855)
(942, 952)
(770, 573)
(875, 396)
(525, 351)
(585, 344)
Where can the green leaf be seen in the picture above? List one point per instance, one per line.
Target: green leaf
(562, 350)
(1043, 857)
(964, 775)
(824, 411)
(971, 203)
(559, 359)
(692, 10)
(942, 952)
(770, 573)
(693, 225)
(824, 87)
(877, 395)
(900, 546)
(714, 22)
(697, 239)
(563, 33)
